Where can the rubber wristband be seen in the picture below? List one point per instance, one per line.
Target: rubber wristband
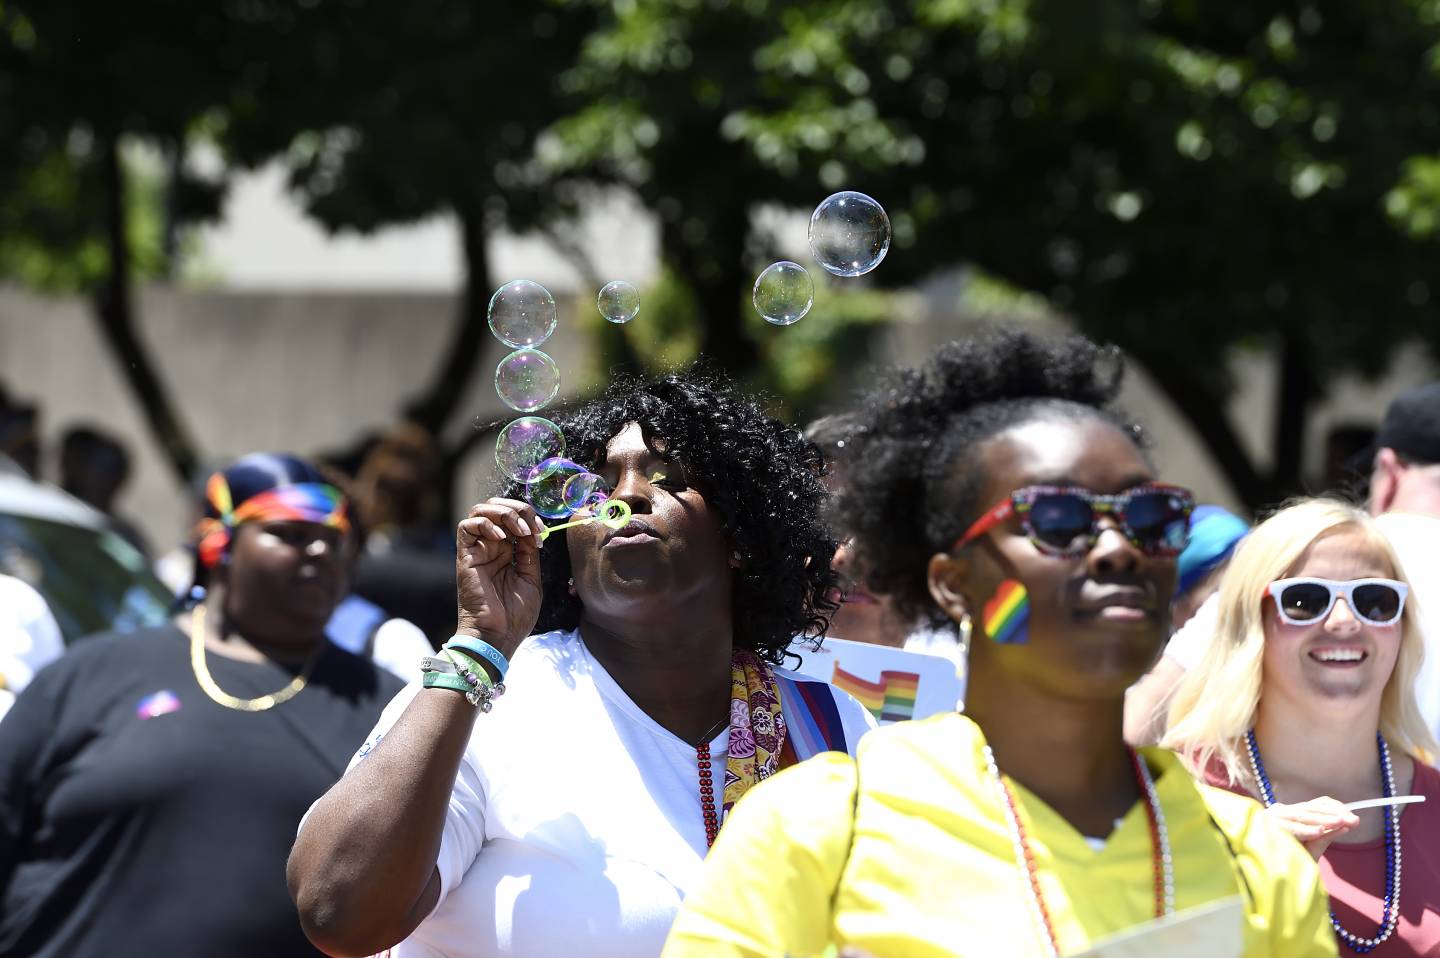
(481, 651)
(444, 680)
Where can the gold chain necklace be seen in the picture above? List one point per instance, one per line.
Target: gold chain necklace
(218, 695)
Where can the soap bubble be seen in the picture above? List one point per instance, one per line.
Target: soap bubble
(583, 492)
(545, 486)
(527, 380)
(618, 301)
(522, 313)
(849, 234)
(783, 293)
(525, 443)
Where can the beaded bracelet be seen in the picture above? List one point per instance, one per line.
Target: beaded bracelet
(436, 663)
(479, 695)
(482, 652)
(477, 679)
(466, 669)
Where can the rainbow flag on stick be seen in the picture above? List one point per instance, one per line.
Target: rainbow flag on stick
(892, 699)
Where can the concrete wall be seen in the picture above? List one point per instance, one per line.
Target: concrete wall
(315, 371)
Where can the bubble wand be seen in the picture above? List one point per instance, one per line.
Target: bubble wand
(612, 513)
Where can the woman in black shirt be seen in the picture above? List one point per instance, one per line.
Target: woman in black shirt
(151, 783)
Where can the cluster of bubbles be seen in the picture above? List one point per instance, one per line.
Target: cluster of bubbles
(849, 236)
(522, 316)
(558, 488)
(531, 449)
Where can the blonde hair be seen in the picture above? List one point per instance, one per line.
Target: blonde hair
(1215, 704)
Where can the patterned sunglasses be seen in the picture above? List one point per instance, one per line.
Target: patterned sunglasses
(1065, 520)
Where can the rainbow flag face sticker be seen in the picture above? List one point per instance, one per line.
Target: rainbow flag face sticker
(161, 703)
(1006, 616)
(892, 699)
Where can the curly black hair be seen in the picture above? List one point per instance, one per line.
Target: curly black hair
(912, 474)
(762, 477)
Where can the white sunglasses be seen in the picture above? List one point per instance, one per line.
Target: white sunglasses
(1305, 601)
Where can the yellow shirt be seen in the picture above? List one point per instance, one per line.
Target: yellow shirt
(916, 861)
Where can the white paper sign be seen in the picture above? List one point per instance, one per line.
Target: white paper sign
(892, 683)
(1213, 930)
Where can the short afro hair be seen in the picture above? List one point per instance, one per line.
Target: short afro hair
(911, 469)
(761, 476)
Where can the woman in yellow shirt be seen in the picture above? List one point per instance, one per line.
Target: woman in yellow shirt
(995, 485)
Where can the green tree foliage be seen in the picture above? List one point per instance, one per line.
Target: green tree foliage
(387, 114)
(1182, 178)
(77, 81)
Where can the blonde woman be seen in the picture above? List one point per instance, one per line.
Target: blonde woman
(1304, 702)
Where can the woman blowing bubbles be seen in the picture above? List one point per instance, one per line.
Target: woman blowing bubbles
(995, 485)
(572, 818)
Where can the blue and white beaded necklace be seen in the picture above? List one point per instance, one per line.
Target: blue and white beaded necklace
(1391, 914)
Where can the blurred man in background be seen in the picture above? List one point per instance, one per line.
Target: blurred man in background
(94, 467)
(1405, 498)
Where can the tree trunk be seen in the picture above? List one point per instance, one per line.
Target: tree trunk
(467, 343)
(112, 309)
(712, 264)
(170, 225)
(1293, 399)
(1205, 411)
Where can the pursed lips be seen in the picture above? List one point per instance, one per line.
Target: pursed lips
(632, 529)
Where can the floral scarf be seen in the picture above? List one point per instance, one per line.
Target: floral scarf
(757, 727)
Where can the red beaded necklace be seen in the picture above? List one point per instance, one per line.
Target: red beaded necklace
(1159, 841)
(707, 795)
(707, 787)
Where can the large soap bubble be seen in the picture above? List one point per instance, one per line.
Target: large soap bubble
(525, 443)
(522, 313)
(783, 293)
(527, 380)
(849, 234)
(618, 301)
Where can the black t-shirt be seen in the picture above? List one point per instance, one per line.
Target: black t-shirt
(138, 817)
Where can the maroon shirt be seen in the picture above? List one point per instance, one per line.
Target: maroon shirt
(1354, 874)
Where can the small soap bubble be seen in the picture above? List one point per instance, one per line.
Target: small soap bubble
(783, 293)
(522, 313)
(618, 301)
(527, 380)
(582, 492)
(545, 486)
(525, 443)
(849, 234)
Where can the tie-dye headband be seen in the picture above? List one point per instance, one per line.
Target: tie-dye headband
(299, 502)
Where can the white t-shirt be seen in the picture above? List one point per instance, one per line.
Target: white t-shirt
(29, 637)
(587, 810)
(1416, 539)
